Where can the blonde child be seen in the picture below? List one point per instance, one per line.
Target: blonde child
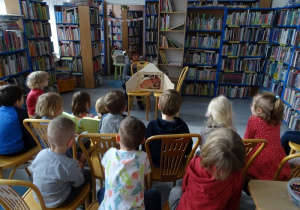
(215, 180)
(59, 178)
(36, 81)
(267, 113)
(100, 107)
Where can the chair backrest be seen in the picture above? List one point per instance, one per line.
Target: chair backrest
(181, 78)
(173, 149)
(139, 65)
(295, 171)
(101, 143)
(90, 125)
(294, 147)
(250, 144)
(38, 130)
(73, 118)
(10, 199)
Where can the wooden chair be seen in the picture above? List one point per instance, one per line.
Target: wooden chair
(173, 160)
(250, 144)
(10, 199)
(295, 171)
(102, 142)
(94, 205)
(90, 125)
(294, 147)
(178, 88)
(143, 94)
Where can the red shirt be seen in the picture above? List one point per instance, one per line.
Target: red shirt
(32, 99)
(265, 165)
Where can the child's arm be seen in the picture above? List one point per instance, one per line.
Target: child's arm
(75, 176)
(250, 130)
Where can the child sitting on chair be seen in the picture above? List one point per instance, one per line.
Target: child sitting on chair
(100, 107)
(14, 138)
(59, 178)
(115, 103)
(169, 104)
(125, 170)
(214, 180)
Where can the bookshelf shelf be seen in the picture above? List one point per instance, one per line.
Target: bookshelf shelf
(174, 31)
(170, 48)
(14, 75)
(12, 52)
(172, 12)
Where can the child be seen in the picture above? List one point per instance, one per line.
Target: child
(36, 81)
(169, 104)
(214, 180)
(219, 114)
(100, 107)
(115, 103)
(14, 138)
(267, 113)
(59, 178)
(133, 55)
(125, 170)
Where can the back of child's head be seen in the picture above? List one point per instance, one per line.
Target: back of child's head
(133, 50)
(115, 101)
(132, 132)
(35, 78)
(80, 102)
(271, 107)
(60, 131)
(219, 112)
(170, 102)
(9, 94)
(48, 105)
(223, 153)
(100, 106)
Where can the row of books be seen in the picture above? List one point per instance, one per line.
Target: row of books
(95, 34)
(282, 54)
(163, 58)
(79, 80)
(201, 74)
(150, 58)
(151, 9)
(117, 43)
(250, 18)
(242, 64)
(13, 64)
(292, 118)
(133, 31)
(101, 21)
(151, 48)
(151, 22)
(199, 89)
(73, 64)
(20, 81)
(247, 34)
(115, 29)
(68, 32)
(40, 47)
(96, 49)
(134, 23)
(37, 29)
(11, 40)
(32, 10)
(165, 22)
(134, 14)
(236, 91)
(239, 78)
(201, 57)
(166, 42)
(245, 49)
(68, 15)
(284, 36)
(133, 40)
(94, 16)
(151, 36)
(97, 64)
(293, 79)
(277, 70)
(201, 23)
(274, 86)
(117, 37)
(70, 49)
(292, 96)
(296, 59)
(203, 41)
(289, 17)
(167, 6)
(52, 78)
(114, 23)
(42, 63)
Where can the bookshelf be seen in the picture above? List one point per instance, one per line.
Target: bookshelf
(76, 45)
(135, 29)
(231, 3)
(115, 33)
(151, 30)
(171, 33)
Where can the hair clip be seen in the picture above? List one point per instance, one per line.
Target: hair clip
(277, 96)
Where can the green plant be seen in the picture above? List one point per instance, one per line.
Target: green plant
(124, 7)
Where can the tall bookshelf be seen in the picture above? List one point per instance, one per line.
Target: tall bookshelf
(76, 45)
(151, 30)
(102, 33)
(171, 33)
(135, 29)
(115, 33)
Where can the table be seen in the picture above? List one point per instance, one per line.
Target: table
(120, 66)
(270, 195)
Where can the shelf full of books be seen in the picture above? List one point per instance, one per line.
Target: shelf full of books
(115, 33)
(135, 28)
(224, 3)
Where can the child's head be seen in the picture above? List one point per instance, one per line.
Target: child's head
(169, 102)
(223, 153)
(11, 95)
(100, 106)
(219, 112)
(60, 131)
(131, 132)
(266, 106)
(81, 103)
(134, 53)
(115, 102)
(37, 80)
(49, 105)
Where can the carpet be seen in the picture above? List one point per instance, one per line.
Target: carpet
(114, 83)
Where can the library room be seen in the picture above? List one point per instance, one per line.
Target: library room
(210, 90)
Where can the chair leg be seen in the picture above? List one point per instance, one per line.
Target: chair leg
(1, 175)
(156, 107)
(128, 105)
(27, 171)
(13, 171)
(147, 107)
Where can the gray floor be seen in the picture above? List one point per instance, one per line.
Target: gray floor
(192, 112)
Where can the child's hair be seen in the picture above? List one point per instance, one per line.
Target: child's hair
(219, 112)
(132, 132)
(115, 101)
(100, 106)
(223, 153)
(271, 107)
(79, 102)
(48, 104)
(9, 94)
(60, 131)
(35, 78)
(133, 50)
(170, 102)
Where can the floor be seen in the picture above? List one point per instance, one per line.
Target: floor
(192, 112)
